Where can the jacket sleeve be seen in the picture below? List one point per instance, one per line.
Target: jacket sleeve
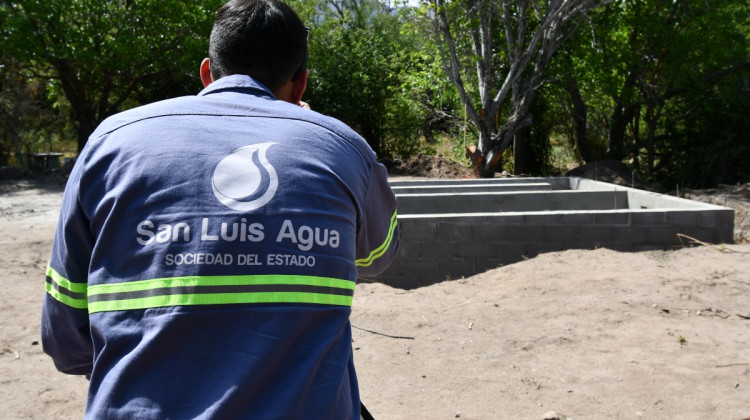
(65, 324)
(377, 234)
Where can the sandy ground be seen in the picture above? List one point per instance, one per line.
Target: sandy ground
(586, 334)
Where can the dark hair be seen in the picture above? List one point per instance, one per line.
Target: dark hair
(264, 39)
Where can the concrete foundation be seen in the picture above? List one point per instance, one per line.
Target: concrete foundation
(456, 228)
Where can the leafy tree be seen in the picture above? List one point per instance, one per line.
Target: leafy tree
(352, 73)
(508, 45)
(579, 110)
(105, 56)
(658, 57)
(425, 95)
(364, 61)
(658, 85)
(29, 121)
(710, 143)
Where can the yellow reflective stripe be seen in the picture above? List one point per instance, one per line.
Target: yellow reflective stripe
(63, 298)
(379, 251)
(195, 281)
(65, 291)
(220, 290)
(219, 299)
(63, 282)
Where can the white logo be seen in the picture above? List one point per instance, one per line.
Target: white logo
(237, 179)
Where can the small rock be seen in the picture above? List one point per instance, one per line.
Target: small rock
(551, 416)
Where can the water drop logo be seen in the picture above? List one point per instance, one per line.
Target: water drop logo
(240, 183)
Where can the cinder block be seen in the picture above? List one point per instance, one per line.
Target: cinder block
(420, 267)
(612, 219)
(629, 235)
(596, 234)
(663, 235)
(725, 218)
(473, 220)
(682, 217)
(707, 217)
(640, 218)
(453, 231)
(417, 230)
(409, 249)
(513, 219)
(440, 249)
(543, 219)
(490, 232)
(714, 218)
(474, 250)
(564, 234)
(393, 270)
(578, 219)
(527, 233)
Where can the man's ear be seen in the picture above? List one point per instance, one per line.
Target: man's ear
(299, 86)
(206, 77)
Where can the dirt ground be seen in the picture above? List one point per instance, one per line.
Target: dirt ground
(585, 334)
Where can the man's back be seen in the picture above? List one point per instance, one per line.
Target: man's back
(217, 240)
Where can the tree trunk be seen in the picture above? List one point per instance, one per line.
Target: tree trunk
(521, 151)
(621, 116)
(479, 155)
(76, 94)
(580, 117)
(85, 128)
(653, 112)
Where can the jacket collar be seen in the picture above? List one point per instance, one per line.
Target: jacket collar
(236, 82)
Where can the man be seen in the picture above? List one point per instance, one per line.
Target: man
(208, 247)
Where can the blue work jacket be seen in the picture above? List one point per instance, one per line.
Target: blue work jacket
(206, 257)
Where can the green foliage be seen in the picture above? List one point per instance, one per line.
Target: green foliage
(664, 84)
(711, 140)
(374, 69)
(30, 121)
(424, 95)
(351, 73)
(106, 56)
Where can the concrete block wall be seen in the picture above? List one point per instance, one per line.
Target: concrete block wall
(437, 247)
(516, 201)
(560, 183)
